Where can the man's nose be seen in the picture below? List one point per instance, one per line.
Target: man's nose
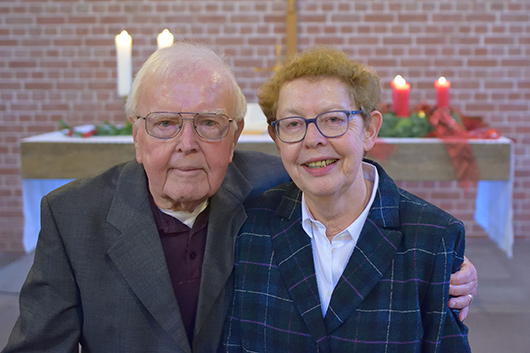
(187, 137)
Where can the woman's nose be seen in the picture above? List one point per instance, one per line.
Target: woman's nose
(313, 137)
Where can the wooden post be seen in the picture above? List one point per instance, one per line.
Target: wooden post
(291, 38)
(291, 23)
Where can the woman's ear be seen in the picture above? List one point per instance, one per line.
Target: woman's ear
(371, 131)
(271, 132)
(273, 136)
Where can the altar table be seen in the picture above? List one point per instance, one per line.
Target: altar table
(50, 160)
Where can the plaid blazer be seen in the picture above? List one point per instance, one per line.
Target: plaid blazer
(392, 296)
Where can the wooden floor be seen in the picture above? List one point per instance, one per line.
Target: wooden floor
(499, 321)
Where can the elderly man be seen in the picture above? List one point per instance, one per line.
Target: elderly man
(139, 258)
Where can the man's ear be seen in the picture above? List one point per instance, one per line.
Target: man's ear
(132, 120)
(134, 123)
(240, 127)
(371, 131)
(237, 133)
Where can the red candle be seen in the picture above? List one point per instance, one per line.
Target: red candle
(442, 86)
(400, 96)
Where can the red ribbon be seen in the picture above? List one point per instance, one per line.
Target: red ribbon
(456, 138)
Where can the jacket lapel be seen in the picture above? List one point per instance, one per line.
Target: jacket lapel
(366, 266)
(227, 215)
(138, 255)
(372, 255)
(294, 256)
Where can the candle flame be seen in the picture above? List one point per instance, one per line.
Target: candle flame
(165, 39)
(123, 38)
(442, 80)
(399, 81)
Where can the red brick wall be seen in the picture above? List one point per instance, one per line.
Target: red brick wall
(57, 61)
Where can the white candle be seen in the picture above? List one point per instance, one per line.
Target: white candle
(124, 62)
(164, 39)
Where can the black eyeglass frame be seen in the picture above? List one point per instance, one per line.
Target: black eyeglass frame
(348, 113)
(195, 114)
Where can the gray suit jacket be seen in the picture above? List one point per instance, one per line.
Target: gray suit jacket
(100, 277)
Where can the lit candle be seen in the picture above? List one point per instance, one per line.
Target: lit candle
(442, 86)
(124, 62)
(164, 39)
(400, 96)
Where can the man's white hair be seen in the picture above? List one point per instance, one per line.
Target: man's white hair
(180, 59)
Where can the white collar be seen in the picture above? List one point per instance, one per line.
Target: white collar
(188, 218)
(354, 229)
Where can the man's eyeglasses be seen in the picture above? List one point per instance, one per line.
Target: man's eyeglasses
(166, 125)
(334, 123)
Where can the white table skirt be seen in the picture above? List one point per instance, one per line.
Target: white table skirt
(32, 192)
(493, 209)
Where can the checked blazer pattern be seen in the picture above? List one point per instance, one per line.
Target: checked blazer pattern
(392, 296)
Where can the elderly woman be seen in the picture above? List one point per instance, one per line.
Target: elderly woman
(340, 259)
